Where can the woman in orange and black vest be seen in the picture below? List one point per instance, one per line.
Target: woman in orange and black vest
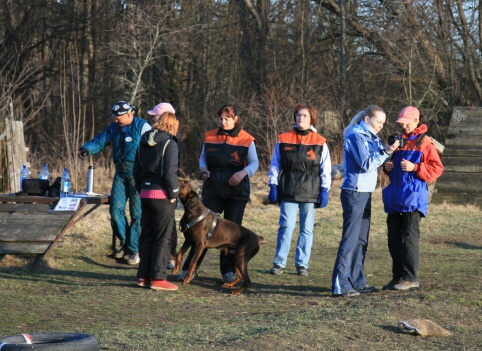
(299, 178)
(228, 159)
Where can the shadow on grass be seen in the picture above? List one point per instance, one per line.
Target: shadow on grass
(391, 328)
(464, 245)
(257, 287)
(128, 276)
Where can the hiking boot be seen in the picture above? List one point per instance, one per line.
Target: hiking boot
(183, 274)
(133, 258)
(144, 282)
(349, 293)
(229, 277)
(303, 271)
(162, 284)
(120, 253)
(367, 289)
(406, 285)
(276, 270)
(391, 284)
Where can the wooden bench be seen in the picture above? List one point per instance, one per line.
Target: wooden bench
(28, 224)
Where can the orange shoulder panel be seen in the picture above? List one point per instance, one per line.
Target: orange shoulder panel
(292, 137)
(243, 138)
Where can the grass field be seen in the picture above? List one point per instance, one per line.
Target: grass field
(82, 290)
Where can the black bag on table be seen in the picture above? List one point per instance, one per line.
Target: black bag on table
(32, 186)
(55, 188)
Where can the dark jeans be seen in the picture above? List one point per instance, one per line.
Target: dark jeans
(233, 211)
(404, 244)
(157, 222)
(349, 270)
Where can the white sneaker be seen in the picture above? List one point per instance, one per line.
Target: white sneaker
(120, 253)
(133, 258)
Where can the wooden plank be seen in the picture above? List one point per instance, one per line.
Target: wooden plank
(463, 164)
(457, 198)
(24, 248)
(465, 118)
(26, 218)
(30, 208)
(33, 232)
(9, 198)
(465, 141)
(460, 182)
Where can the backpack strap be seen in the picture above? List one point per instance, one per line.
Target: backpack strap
(420, 139)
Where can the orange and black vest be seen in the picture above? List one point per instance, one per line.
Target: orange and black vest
(300, 159)
(226, 153)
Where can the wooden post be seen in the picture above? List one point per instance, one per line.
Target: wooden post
(15, 154)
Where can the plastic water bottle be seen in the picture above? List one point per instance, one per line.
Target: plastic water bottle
(65, 183)
(44, 173)
(23, 175)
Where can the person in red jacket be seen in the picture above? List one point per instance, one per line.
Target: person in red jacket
(412, 166)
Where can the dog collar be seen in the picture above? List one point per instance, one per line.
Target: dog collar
(196, 221)
(213, 226)
(210, 232)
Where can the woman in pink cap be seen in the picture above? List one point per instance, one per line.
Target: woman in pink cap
(156, 113)
(414, 164)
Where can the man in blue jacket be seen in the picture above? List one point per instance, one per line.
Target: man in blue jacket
(124, 134)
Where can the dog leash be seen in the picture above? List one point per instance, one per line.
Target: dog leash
(199, 219)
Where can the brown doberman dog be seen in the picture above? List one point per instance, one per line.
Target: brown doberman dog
(203, 229)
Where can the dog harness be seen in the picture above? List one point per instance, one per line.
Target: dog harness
(210, 232)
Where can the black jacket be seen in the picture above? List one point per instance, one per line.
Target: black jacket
(156, 163)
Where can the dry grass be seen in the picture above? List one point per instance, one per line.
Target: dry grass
(83, 290)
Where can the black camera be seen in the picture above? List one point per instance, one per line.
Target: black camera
(394, 138)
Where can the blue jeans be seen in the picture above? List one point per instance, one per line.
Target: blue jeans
(348, 272)
(287, 222)
(123, 189)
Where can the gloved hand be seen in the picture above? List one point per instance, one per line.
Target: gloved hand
(273, 193)
(323, 198)
(83, 152)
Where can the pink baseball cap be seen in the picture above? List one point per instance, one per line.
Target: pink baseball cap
(408, 114)
(161, 108)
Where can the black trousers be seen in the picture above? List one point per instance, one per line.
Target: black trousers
(157, 223)
(173, 243)
(234, 212)
(404, 244)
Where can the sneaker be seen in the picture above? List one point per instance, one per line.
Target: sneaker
(120, 253)
(170, 264)
(162, 284)
(276, 270)
(183, 274)
(133, 258)
(367, 289)
(405, 285)
(391, 284)
(229, 277)
(303, 271)
(349, 293)
(144, 282)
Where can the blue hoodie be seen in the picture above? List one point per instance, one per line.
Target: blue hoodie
(363, 154)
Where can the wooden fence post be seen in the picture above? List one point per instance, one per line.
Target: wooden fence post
(13, 155)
